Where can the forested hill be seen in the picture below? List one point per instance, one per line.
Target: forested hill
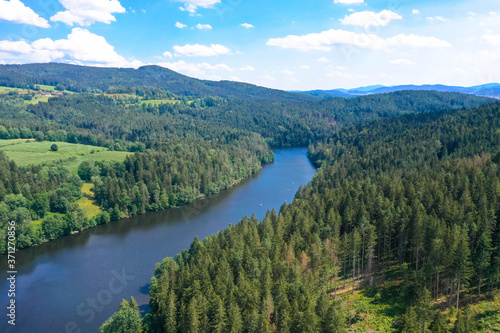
(404, 207)
(84, 78)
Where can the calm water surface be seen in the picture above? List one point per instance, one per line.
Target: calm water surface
(73, 284)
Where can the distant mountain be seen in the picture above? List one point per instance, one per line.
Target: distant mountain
(490, 90)
(85, 78)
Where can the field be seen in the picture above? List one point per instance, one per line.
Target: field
(6, 90)
(157, 102)
(70, 155)
(37, 99)
(13, 141)
(45, 88)
(87, 203)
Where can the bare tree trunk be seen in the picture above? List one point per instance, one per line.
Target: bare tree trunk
(458, 291)
(353, 270)
(451, 293)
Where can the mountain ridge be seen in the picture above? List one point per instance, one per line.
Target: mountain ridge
(487, 90)
(85, 78)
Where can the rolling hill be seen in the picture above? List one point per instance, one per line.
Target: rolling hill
(85, 78)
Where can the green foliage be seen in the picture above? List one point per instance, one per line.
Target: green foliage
(54, 147)
(126, 320)
(385, 194)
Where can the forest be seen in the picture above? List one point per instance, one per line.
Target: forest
(413, 198)
(403, 209)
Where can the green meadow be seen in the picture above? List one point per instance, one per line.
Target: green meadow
(69, 155)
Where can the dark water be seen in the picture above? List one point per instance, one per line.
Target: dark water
(75, 283)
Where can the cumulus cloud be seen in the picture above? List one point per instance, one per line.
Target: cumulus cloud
(324, 41)
(323, 60)
(195, 69)
(80, 46)
(304, 67)
(167, 55)
(368, 18)
(192, 5)
(87, 12)
(247, 68)
(198, 50)
(203, 26)
(246, 25)
(438, 18)
(402, 62)
(268, 78)
(415, 12)
(180, 25)
(287, 72)
(349, 2)
(16, 12)
(492, 39)
(415, 41)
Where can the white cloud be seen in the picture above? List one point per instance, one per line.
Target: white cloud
(198, 50)
(323, 60)
(16, 47)
(304, 67)
(349, 2)
(246, 25)
(340, 72)
(492, 39)
(80, 46)
(16, 12)
(192, 5)
(287, 72)
(203, 26)
(195, 69)
(415, 41)
(167, 55)
(87, 12)
(337, 74)
(180, 25)
(367, 18)
(438, 18)
(401, 62)
(415, 12)
(248, 68)
(268, 78)
(324, 41)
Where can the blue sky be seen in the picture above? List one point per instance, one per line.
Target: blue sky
(292, 45)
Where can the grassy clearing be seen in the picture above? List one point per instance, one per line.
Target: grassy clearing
(6, 90)
(488, 314)
(108, 156)
(157, 102)
(69, 155)
(26, 158)
(44, 147)
(13, 142)
(37, 99)
(379, 309)
(45, 88)
(87, 203)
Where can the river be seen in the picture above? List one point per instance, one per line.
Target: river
(74, 283)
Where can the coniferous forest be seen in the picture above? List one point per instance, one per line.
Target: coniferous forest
(402, 212)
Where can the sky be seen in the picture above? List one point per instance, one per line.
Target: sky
(290, 45)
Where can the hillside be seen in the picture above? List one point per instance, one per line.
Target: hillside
(85, 78)
(403, 212)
